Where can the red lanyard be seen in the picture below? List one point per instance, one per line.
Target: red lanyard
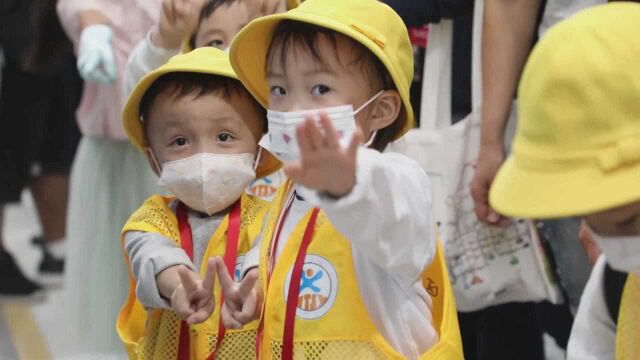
(294, 284)
(230, 256)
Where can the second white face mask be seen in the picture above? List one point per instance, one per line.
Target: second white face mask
(207, 182)
(622, 252)
(281, 140)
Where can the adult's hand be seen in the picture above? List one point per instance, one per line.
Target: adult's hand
(96, 61)
(489, 161)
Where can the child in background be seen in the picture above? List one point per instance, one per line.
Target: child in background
(190, 24)
(199, 129)
(350, 233)
(577, 152)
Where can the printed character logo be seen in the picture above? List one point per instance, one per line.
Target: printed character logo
(318, 288)
(264, 187)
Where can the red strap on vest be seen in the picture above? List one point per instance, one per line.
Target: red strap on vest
(272, 260)
(230, 256)
(294, 288)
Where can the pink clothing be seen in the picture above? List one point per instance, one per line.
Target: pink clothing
(100, 110)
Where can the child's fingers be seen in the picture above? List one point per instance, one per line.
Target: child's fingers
(228, 320)
(247, 284)
(354, 144)
(330, 134)
(167, 10)
(202, 314)
(182, 307)
(293, 171)
(248, 311)
(187, 277)
(210, 276)
(313, 133)
(226, 283)
(304, 143)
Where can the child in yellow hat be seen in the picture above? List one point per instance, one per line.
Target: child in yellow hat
(187, 25)
(577, 152)
(350, 234)
(199, 129)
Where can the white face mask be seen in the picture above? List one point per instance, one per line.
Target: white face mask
(281, 140)
(207, 182)
(622, 252)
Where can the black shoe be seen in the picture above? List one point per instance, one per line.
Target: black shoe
(13, 283)
(51, 269)
(50, 265)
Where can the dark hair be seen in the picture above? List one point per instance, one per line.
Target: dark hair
(290, 32)
(181, 84)
(209, 7)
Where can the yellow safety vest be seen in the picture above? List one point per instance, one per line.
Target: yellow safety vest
(331, 319)
(155, 335)
(628, 332)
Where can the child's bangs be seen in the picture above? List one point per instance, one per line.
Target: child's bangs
(302, 36)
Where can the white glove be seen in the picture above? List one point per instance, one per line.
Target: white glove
(95, 55)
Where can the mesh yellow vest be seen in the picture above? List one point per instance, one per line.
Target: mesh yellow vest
(628, 332)
(331, 319)
(154, 335)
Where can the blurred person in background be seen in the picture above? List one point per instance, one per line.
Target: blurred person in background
(109, 178)
(40, 92)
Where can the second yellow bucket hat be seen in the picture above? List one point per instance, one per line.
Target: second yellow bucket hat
(369, 22)
(577, 146)
(205, 61)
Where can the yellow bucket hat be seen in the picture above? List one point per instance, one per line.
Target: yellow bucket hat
(577, 146)
(369, 22)
(205, 61)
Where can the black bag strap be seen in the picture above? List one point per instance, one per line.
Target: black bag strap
(614, 282)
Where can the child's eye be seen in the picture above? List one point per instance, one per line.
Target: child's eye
(320, 90)
(217, 43)
(278, 91)
(181, 141)
(224, 137)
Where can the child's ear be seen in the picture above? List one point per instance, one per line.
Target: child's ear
(386, 110)
(152, 161)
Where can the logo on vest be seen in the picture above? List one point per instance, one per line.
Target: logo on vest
(318, 288)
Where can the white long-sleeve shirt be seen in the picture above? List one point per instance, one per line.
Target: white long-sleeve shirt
(144, 58)
(387, 218)
(593, 336)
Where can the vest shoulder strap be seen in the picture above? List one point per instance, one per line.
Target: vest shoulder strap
(614, 282)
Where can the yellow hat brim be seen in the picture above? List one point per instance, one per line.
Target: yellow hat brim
(533, 193)
(250, 47)
(204, 61)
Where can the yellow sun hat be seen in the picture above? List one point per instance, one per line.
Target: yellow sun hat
(577, 146)
(368, 22)
(204, 61)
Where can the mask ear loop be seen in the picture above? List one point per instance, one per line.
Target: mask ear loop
(155, 160)
(367, 103)
(257, 162)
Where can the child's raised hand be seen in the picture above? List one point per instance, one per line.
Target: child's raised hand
(242, 300)
(178, 20)
(193, 299)
(324, 164)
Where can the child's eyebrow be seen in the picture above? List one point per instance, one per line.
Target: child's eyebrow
(319, 71)
(273, 74)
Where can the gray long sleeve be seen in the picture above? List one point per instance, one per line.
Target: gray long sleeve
(150, 254)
